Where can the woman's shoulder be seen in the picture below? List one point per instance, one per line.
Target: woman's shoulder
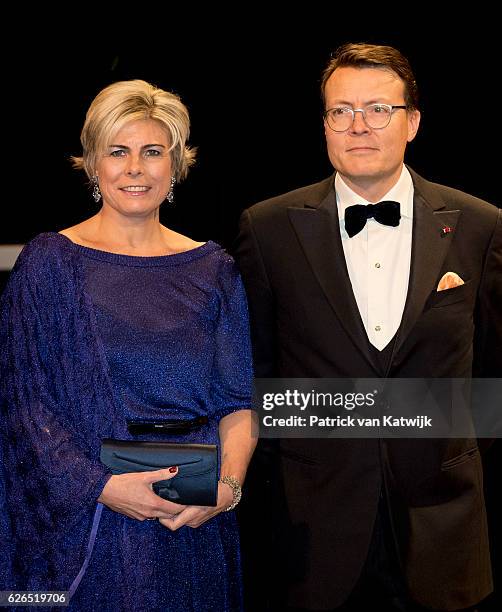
(46, 243)
(226, 275)
(209, 252)
(42, 251)
(179, 243)
(43, 272)
(218, 255)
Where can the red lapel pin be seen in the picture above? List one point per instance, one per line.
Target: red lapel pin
(446, 230)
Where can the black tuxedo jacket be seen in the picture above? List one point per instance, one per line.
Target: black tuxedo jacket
(312, 503)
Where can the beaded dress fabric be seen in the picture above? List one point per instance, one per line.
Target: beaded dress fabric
(90, 340)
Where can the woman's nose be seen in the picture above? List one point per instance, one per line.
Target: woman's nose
(134, 165)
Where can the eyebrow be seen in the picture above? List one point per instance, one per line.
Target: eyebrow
(346, 103)
(143, 147)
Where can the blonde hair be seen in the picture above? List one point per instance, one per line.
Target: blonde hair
(126, 101)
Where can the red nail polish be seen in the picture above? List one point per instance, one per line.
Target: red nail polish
(173, 469)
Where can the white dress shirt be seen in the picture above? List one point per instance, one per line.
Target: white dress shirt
(378, 260)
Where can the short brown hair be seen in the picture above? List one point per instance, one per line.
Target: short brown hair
(363, 55)
(125, 101)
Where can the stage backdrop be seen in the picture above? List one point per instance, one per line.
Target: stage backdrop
(256, 118)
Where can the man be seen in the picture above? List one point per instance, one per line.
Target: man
(338, 288)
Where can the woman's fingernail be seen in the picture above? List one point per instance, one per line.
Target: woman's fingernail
(173, 469)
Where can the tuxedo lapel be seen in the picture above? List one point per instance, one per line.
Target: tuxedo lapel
(317, 229)
(429, 248)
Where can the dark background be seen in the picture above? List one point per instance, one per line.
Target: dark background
(255, 108)
(252, 88)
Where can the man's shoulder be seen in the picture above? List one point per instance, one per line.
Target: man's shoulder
(452, 198)
(309, 195)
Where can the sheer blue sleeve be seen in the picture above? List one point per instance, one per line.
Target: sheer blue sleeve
(232, 374)
(50, 417)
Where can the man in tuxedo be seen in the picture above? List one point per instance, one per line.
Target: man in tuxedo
(373, 272)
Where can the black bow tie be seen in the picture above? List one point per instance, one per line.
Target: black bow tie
(386, 212)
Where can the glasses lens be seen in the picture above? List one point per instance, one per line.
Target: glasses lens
(339, 119)
(378, 115)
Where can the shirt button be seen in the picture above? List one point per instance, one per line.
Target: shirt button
(377, 328)
(377, 265)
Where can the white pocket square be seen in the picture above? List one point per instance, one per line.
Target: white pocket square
(449, 280)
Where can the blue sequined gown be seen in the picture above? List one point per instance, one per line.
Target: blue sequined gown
(92, 339)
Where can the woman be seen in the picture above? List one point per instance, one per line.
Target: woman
(120, 319)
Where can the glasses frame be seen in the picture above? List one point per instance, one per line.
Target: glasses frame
(353, 111)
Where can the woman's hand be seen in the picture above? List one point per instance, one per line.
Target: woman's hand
(238, 440)
(194, 516)
(132, 495)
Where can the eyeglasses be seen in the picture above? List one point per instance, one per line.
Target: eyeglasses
(376, 116)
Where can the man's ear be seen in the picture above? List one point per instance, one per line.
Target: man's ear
(413, 123)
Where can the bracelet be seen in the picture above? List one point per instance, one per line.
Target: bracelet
(234, 484)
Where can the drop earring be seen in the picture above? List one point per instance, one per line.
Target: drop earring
(170, 195)
(96, 193)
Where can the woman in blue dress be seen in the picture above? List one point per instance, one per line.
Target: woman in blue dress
(114, 320)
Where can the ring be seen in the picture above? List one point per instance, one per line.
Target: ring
(152, 518)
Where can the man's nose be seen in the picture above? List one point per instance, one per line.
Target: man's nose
(359, 124)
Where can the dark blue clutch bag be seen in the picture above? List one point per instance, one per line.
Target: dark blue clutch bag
(195, 484)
